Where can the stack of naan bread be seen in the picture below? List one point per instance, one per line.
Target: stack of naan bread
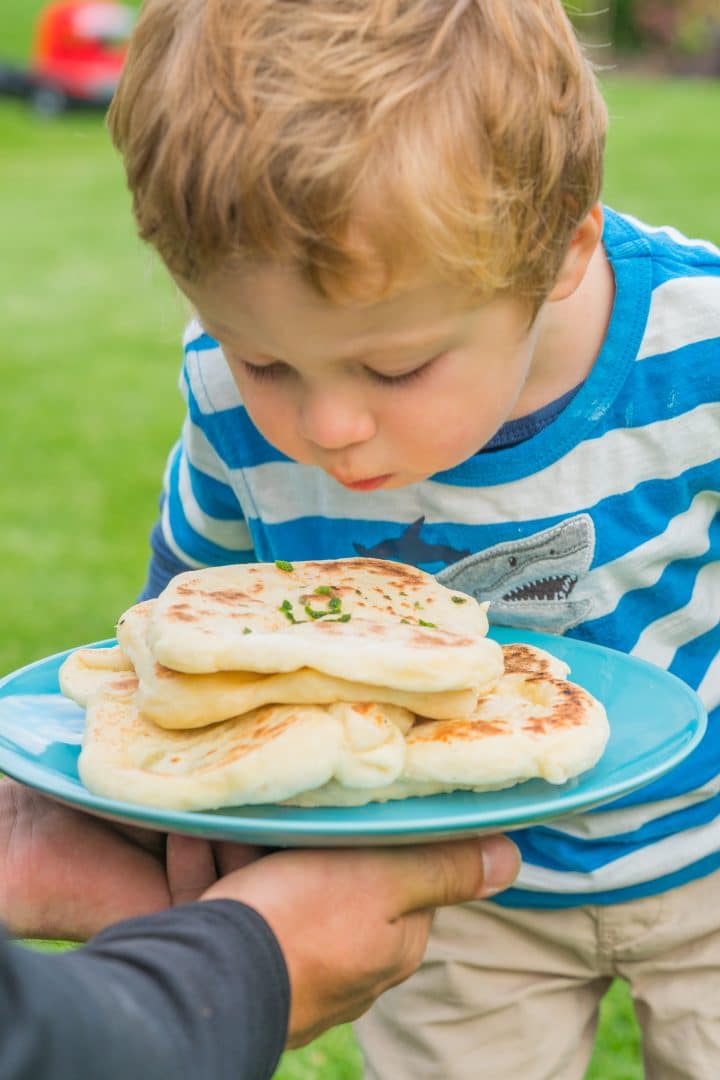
(330, 683)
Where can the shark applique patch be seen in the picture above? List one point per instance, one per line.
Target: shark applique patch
(530, 582)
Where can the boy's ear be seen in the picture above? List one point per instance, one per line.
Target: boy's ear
(584, 242)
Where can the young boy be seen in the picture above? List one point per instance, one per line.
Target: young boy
(419, 336)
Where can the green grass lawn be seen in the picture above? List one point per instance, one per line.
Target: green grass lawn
(89, 408)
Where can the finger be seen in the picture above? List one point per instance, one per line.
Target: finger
(437, 875)
(190, 867)
(229, 856)
(148, 839)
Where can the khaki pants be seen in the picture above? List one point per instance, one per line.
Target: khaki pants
(507, 994)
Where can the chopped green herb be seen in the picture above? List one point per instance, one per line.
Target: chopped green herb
(405, 621)
(322, 590)
(315, 614)
(417, 605)
(432, 625)
(247, 630)
(287, 567)
(334, 604)
(459, 599)
(345, 618)
(286, 608)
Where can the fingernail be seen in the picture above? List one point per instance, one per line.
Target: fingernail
(501, 863)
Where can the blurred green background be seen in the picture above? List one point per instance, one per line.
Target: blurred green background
(89, 362)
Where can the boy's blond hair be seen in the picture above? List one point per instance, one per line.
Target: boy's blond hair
(368, 143)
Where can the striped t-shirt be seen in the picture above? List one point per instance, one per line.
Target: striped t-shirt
(603, 525)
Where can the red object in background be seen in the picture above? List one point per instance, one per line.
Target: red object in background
(78, 52)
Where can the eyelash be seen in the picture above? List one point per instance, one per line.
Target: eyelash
(264, 372)
(270, 372)
(399, 380)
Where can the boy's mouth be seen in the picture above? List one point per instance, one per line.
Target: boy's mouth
(369, 484)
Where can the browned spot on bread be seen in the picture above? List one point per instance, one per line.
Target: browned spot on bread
(570, 709)
(449, 731)
(425, 638)
(231, 597)
(268, 726)
(182, 613)
(187, 588)
(521, 658)
(397, 574)
(123, 683)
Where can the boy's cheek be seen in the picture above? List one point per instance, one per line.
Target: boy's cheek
(277, 424)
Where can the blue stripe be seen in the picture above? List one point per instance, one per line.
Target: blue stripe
(674, 260)
(214, 498)
(524, 898)
(653, 392)
(691, 661)
(192, 542)
(651, 504)
(234, 437)
(311, 538)
(639, 607)
(202, 343)
(544, 846)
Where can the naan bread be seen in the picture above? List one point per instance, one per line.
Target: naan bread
(263, 757)
(530, 725)
(364, 620)
(86, 671)
(175, 699)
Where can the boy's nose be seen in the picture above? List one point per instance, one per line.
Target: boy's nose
(334, 421)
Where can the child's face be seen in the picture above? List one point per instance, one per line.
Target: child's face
(378, 396)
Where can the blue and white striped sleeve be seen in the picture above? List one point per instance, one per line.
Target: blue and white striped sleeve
(201, 521)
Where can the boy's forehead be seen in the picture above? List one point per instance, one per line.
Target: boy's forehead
(271, 307)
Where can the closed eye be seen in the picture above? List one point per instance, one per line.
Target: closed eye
(400, 380)
(266, 372)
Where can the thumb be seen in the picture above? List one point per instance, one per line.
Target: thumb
(458, 871)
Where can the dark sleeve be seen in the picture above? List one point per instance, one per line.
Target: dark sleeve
(197, 991)
(164, 565)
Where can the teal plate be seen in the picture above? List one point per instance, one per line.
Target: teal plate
(655, 722)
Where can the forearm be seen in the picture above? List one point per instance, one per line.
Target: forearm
(196, 991)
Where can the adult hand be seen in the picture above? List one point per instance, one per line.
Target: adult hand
(352, 923)
(65, 874)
